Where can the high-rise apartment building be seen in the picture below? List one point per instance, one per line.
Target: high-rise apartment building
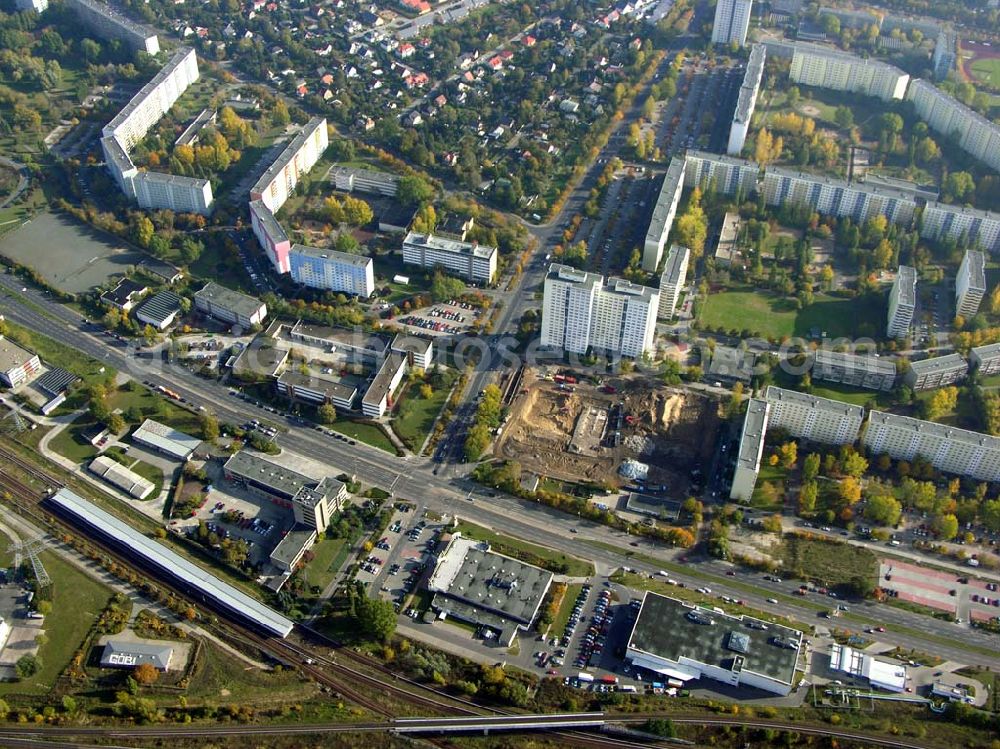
(581, 311)
(970, 284)
(830, 196)
(750, 451)
(732, 20)
(961, 224)
(946, 115)
(822, 67)
(945, 54)
(473, 262)
(813, 418)
(747, 100)
(663, 215)
(108, 23)
(672, 280)
(902, 300)
(332, 270)
(725, 174)
(299, 156)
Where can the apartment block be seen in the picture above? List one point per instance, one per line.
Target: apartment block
(945, 54)
(956, 451)
(961, 224)
(902, 300)
(108, 23)
(813, 418)
(663, 215)
(270, 236)
(970, 283)
(750, 451)
(672, 280)
(947, 116)
(350, 179)
(473, 262)
(937, 372)
(732, 20)
(38, 6)
(230, 306)
(725, 174)
(830, 196)
(747, 100)
(332, 270)
(868, 372)
(154, 190)
(985, 360)
(581, 311)
(823, 67)
(299, 156)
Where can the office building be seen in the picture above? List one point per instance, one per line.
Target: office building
(230, 306)
(962, 224)
(351, 179)
(270, 236)
(937, 372)
(723, 174)
(945, 54)
(985, 360)
(496, 593)
(664, 211)
(831, 196)
(747, 100)
(970, 283)
(17, 364)
(473, 262)
(869, 372)
(682, 642)
(949, 449)
(419, 351)
(154, 191)
(902, 301)
(945, 115)
(732, 20)
(888, 676)
(813, 418)
(332, 270)
(751, 450)
(298, 157)
(317, 388)
(672, 280)
(108, 23)
(354, 343)
(378, 398)
(581, 311)
(823, 67)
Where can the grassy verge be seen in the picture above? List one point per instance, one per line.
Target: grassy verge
(416, 415)
(527, 552)
(321, 570)
(220, 678)
(827, 563)
(57, 355)
(370, 434)
(565, 608)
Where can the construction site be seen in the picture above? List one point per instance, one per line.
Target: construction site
(581, 432)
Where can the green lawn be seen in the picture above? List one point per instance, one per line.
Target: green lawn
(565, 608)
(528, 552)
(321, 570)
(416, 414)
(829, 563)
(855, 396)
(776, 476)
(987, 70)
(368, 433)
(70, 442)
(774, 316)
(58, 355)
(77, 600)
(219, 678)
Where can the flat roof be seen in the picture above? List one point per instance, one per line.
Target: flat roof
(673, 268)
(407, 343)
(119, 18)
(266, 473)
(369, 174)
(818, 50)
(569, 274)
(866, 363)
(721, 158)
(615, 285)
(751, 83)
(888, 191)
(352, 338)
(939, 364)
(261, 356)
(271, 226)
(469, 571)
(648, 504)
(962, 210)
(453, 246)
(167, 439)
(345, 258)
(775, 395)
(288, 153)
(172, 179)
(331, 388)
(752, 437)
(293, 544)
(921, 427)
(178, 59)
(977, 269)
(989, 351)
(161, 306)
(906, 281)
(672, 183)
(12, 355)
(664, 629)
(919, 84)
(170, 562)
(233, 301)
(115, 151)
(732, 362)
(383, 379)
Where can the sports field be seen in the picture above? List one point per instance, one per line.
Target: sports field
(986, 70)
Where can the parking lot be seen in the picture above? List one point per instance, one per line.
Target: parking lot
(396, 564)
(968, 599)
(451, 318)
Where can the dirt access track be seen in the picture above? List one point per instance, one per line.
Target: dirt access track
(566, 431)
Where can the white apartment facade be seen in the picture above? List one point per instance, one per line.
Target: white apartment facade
(830, 196)
(301, 155)
(108, 23)
(332, 270)
(732, 20)
(902, 301)
(978, 228)
(672, 280)
(825, 68)
(725, 174)
(663, 214)
(473, 262)
(957, 451)
(813, 418)
(751, 450)
(985, 359)
(936, 372)
(154, 190)
(970, 283)
(350, 179)
(747, 100)
(946, 115)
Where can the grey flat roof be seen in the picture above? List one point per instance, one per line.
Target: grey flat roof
(923, 85)
(888, 191)
(345, 258)
(857, 362)
(288, 153)
(330, 388)
(171, 179)
(751, 82)
(161, 306)
(628, 288)
(732, 362)
(989, 351)
(672, 182)
(906, 280)
(175, 61)
(234, 301)
(292, 544)
(939, 363)
(267, 474)
(380, 385)
(650, 505)
(168, 561)
(342, 337)
(567, 273)
(271, 225)
(12, 355)
(369, 174)
(406, 342)
(781, 395)
(114, 150)
(663, 629)
(166, 438)
(454, 246)
(918, 426)
(752, 437)
(721, 158)
(672, 268)
(963, 210)
(261, 356)
(119, 18)
(977, 269)
(807, 48)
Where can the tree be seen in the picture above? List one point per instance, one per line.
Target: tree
(807, 497)
(942, 401)
(735, 401)
(810, 467)
(146, 674)
(345, 242)
(414, 190)
(849, 490)
(327, 413)
(142, 231)
(854, 464)
(890, 126)
(27, 666)
(426, 391)
(957, 187)
(209, 427)
(789, 453)
(68, 704)
(844, 117)
(994, 304)
(357, 212)
(661, 727)
(116, 423)
(945, 526)
(279, 115)
(376, 618)
(883, 509)
(927, 151)
(991, 514)
(150, 335)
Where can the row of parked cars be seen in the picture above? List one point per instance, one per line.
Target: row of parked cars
(439, 327)
(593, 640)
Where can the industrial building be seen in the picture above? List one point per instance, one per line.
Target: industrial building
(724, 174)
(970, 283)
(949, 449)
(332, 270)
(166, 440)
(664, 211)
(947, 116)
(672, 280)
(473, 262)
(751, 450)
(732, 20)
(230, 306)
(985, 359)
(352, 179)
(496, 593)
(962, 223)
(810, 417)
(582, 311)
(823, 67)
(684, 642)
(121, 477)
(17, 364)
(108, 23)
(160, 310)
(747, 100)
(902, 302)
(155, 556)
(937, 372)
(869, 372)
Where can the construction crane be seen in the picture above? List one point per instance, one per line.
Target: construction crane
(31, 549)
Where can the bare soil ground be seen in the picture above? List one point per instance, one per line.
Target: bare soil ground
(558, 433)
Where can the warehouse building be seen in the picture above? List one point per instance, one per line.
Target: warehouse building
(166, 440)
(121, 477)
(684, 642)
(937, 372)
(160, 310)
(230, 306)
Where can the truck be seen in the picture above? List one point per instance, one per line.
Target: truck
(609, 679)
(584, 677)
